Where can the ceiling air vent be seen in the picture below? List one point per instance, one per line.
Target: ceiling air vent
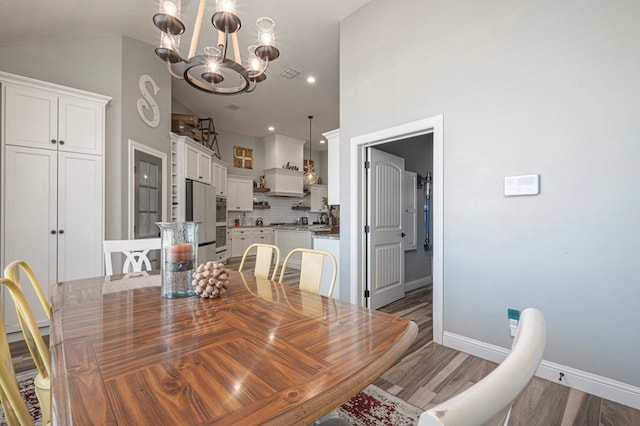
(233, 107)
(289, 73)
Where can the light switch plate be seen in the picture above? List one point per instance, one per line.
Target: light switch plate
(521, 185)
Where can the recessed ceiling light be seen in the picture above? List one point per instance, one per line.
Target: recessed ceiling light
(322, 141)
(271, 128)
(311, 79)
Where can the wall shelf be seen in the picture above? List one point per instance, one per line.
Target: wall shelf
(300, 208)
(261, 189)
(260, 207)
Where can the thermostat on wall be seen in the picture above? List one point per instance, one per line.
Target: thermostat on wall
(521, 185)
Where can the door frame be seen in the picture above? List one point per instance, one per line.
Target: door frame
(357, 238)
(137, 146)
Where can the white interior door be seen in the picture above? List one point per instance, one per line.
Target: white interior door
(385, 242)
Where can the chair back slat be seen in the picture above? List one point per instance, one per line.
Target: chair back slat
(136, 254)
(311, 268)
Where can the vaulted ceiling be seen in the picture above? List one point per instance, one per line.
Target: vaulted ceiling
(307, 34)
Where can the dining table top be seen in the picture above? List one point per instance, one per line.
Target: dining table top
(262, 353)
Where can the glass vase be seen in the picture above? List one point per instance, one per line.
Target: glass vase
(179, 250)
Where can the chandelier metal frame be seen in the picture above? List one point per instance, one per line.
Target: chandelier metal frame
(209, 72)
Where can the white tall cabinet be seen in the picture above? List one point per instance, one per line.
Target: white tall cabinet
(52, 183)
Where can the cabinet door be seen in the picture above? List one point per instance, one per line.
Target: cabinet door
(245, 195)
(30, 222)
(204, 168)
(31, 117)
(220, 178)
(80, 216)
(410, 211)
(192, 163)
(233, 203)
(81, 126)
(239, 195)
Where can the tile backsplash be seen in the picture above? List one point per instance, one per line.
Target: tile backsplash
(280, 211)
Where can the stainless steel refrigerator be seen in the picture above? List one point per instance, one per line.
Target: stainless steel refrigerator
(201, 207)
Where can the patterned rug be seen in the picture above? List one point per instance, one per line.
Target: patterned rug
(375, 407)
(25, 382)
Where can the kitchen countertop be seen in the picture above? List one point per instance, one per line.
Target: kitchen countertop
(290, 227)
(327, 236)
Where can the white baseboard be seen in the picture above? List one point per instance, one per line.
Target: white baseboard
(593, 384)
(420, 282)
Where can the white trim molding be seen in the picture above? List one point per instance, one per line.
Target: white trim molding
(420, 282)
(137, 146)
(593, 384)
(357, 217)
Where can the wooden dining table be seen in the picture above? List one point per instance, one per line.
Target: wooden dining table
(263, 353)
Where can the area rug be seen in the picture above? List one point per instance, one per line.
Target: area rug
(375, 407)
(27, 389)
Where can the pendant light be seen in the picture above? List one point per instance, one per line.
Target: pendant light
(310, 176)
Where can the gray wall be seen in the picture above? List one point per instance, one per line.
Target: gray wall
(109, 66)
(524, 87)
(139, 59)
(418, 157)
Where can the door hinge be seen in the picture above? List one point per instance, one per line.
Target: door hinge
(367, 164)
(366, 293)
(367, 229)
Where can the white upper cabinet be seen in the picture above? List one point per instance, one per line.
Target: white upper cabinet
(39, 118)
(239, 194)
(219, 176)
(198, 162)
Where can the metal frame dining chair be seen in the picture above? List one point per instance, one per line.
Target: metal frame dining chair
(135, 252)
(39, 353)
(264, 260)
(13, 272)
(489, 401)
(311, 266)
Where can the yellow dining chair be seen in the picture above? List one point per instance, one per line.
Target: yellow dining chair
(14, 407)
(311, 266)
(135, 252)
(264, 259)
(13, 272)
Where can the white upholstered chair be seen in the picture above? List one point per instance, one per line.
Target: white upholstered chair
(264, 260)
(311, 269)
(489, 401)
(135, 252)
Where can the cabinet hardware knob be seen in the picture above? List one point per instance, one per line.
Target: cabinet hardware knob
(403, 234)
(61, 231)
(53, 232)
(61, 142)
(53, 141)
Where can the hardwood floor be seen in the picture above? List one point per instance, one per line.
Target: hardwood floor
(430, 373)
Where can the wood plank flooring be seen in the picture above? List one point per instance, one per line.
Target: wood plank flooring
(430, 373)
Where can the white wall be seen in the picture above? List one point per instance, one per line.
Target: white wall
(524, 87)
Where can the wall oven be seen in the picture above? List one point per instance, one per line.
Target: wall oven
(221, 211)
(221, 229)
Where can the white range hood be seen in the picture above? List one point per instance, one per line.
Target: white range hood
(282, 152)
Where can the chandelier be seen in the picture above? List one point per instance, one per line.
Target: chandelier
(310, 176)
(213, 71)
